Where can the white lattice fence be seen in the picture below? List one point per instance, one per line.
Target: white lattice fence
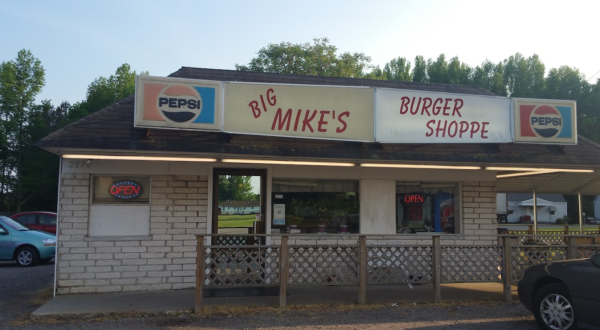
(318, 265)
(472, 264)
(525, 256)
(399, 264)
(237, 266)
(586, 251)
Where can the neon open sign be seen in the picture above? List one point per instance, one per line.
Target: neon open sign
(414, 199)
(125, 189)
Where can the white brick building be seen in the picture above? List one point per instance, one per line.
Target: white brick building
(132, 199)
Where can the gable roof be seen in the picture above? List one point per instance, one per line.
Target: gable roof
(111, 131)
(240, 204)
(554, 198)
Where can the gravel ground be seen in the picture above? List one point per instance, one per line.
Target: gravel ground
(19, 285)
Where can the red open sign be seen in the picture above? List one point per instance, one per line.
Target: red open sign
(125, 189)
(414, 199)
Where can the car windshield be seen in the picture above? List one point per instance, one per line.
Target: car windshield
(13, 224)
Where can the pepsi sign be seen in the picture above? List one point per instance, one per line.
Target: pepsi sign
(545, 121)
(125, 189)
(177, 103)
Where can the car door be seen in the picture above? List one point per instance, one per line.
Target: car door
(5, 244)
(589, 294)
(47, 223)
(28, 220)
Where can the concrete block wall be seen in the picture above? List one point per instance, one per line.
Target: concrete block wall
(162, 261)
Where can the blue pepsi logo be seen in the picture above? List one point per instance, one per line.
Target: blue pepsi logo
(546, 121)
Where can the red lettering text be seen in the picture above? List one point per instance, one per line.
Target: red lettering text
(322, 122)
(474, 128)
(404, 105)
(255, 109)
(457, 107)
(306, 121)
(271, 99)
(343, 128)
(282, 120)
(483, 131)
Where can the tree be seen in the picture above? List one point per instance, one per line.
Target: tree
(236, 188)
(398, 69)
(420, 70)
(437, 70)
(524, 77)
(490, 76)
(103, 92)
(22, 80)
(317, 59)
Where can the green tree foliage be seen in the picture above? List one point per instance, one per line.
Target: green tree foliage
(103, 92)
(22, 80)
(236, 188)
(420, 70)
(398, 69)
(317, 59)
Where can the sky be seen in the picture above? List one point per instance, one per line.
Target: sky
(79, 41)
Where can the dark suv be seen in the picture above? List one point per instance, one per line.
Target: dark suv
(563, 294)
(37, 220)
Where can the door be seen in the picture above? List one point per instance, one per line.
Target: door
(5, 244)
(47, 223)
(239, 206)
(589, 294)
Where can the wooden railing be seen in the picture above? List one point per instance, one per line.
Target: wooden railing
(375, 259)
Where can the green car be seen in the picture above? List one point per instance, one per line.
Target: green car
(23, 245)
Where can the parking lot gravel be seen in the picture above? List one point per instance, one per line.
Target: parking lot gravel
(18, 286)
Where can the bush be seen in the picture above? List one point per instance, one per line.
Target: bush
(560, 221)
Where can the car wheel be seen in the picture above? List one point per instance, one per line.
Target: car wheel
(553, 308)
(27, 256)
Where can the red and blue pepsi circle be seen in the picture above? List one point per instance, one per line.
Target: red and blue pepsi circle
(546, 121)
(179, 103)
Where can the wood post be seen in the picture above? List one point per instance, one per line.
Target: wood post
(200, 263)
(284, 270)
(506, 278)
(530, 230)
(437, 269)
(362, 270)
(572, 249)
(566, 229)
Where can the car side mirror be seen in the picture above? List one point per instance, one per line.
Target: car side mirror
(596, 259)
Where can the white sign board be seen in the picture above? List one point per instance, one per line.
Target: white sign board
(279, 214)
(404, 116)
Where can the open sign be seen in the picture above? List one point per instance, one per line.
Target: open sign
(125, 189)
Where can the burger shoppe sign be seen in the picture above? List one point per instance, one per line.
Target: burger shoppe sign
(424, 117)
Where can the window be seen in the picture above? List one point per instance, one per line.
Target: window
(27, 219)
(422, 207)
(48, 220)
(103, 185)
(112, 216)
(316, 205)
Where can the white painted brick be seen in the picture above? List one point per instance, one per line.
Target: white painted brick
(127, 255)
(108, 275)
(112, 249)
(179, 286)
(97, 282)
(127, 268)
(98, 256)
(153, 280)
(159, 261)
(152, 268)
(84, 263)
(175, 280)
(127, 243)
(128, 249)
(165, 286)
(134, 274)
(161, 249)
(109, 262)
(85, 276)
(137, 287)
(109, 288)
(175, 267)
(122, 281)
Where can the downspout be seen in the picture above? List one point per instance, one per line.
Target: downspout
(57, 225)
(580, 215)
(535, 223)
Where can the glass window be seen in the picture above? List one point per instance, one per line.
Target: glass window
(27, 219)
(46, 219)
(426, 207)
(316, 206)
(103, 185)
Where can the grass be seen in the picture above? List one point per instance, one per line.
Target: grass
(232, 221)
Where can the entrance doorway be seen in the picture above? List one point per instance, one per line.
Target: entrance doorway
(239, 206)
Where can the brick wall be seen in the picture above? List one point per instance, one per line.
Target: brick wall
(164, 260)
